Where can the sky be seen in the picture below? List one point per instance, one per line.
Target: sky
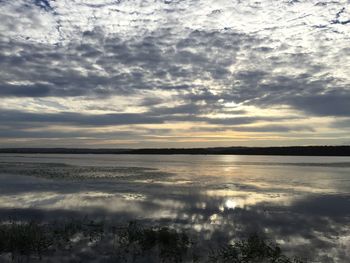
(174, 73)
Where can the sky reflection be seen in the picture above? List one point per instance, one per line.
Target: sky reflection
(305, 208)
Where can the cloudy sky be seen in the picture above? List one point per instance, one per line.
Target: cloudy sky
(174, 73)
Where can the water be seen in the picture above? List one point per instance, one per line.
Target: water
(302, 202)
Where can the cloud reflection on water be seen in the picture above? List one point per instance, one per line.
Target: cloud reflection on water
(308, 221)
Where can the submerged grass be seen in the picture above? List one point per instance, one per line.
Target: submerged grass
(134, 242)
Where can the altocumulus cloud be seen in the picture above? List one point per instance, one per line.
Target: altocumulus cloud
(174, 69)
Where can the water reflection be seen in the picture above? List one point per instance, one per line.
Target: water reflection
(305, 207)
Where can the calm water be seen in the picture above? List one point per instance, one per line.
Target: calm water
(302, 202)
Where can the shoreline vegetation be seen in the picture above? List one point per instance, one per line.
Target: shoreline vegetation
(287, 151)
(88, 241)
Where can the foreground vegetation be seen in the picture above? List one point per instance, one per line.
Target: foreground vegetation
(85, 241)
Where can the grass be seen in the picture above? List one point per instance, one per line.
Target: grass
(254, 249)
(33, 242)
(24, 239)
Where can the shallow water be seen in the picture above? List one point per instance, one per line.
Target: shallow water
(302, 202)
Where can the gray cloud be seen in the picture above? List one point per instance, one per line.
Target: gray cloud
(275, 128)
(128, 67)
(341, 123)
(86, 134)
(113, 66)
(77, 118)
(334, 103)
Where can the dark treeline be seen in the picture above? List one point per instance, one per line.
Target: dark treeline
(290, 150)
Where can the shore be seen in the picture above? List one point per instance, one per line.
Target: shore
(284, 151)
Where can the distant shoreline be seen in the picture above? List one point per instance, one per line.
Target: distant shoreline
(287, 151)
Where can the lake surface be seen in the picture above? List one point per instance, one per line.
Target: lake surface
(301, 202)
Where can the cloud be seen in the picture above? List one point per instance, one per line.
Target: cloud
(343, 123)
(77, 118)
(274, 128)
(326, 104)
(44, 4)
(217, 63)
(114, 119)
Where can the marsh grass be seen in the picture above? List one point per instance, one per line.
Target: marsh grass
(254, 249)
(134, 242)
(25, 239)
